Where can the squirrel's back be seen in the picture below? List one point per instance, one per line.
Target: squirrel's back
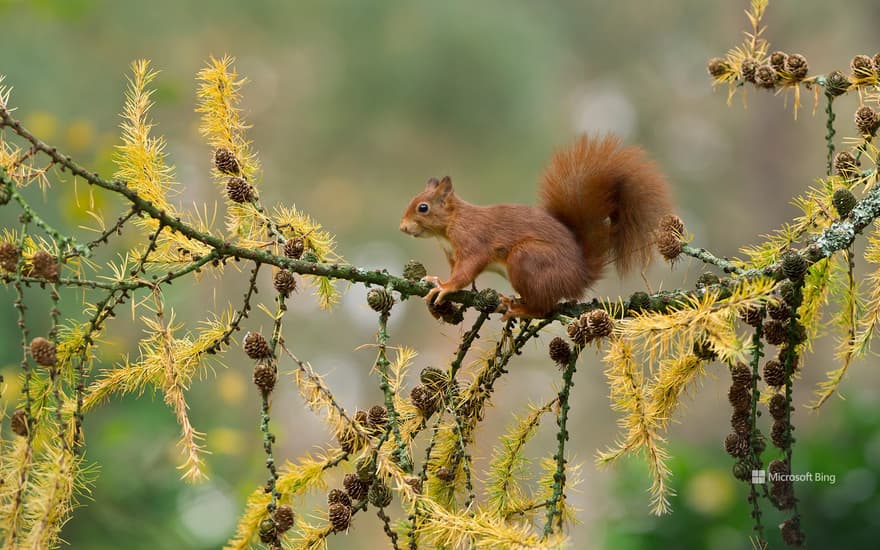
(611, 197)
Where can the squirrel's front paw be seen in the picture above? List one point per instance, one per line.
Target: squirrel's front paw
(436, 295)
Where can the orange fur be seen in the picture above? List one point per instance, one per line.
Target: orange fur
(600, 202)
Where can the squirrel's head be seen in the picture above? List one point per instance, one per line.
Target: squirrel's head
(428, 212)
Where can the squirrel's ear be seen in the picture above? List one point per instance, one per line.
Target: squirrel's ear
(432, 184)
(445, 186)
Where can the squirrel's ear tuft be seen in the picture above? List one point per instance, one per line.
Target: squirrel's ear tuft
(445, 185)
(432, 183)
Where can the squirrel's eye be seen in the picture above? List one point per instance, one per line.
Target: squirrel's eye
(423, 208)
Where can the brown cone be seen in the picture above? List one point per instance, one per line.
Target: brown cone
(340, 516)
(8, 257)
(774, 374)
(225, 161)
(355, 486)
(43, 352)
(44, 266)
(284, 282)
(284, 518)
(256, 347)
(338, 496)
(265, 376)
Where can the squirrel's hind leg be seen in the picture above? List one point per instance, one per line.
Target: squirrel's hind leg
(514, 309)
(537, 271)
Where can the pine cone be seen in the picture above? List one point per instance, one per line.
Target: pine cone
(846, 165)
(782, 495)
(778, 59)
(736, 445)
(740, 397)
(380, 495)
(19, 423)
(742, 471)
(791, 532)
(796, 65)
(424, 399)
(748, 68)
(741, 423)
(759, 443)
(434, 378)
(8, 257)
(669, 246)
(766, 77)
(256, 347)
(862, 66)
(44, 266)
(238, 190)
(774, 374)
(560, 352)
(741, 375)
(415, 483)
(43, 352)
(703, 350)
(836, 83)
(795, 359)
(377, 418)
(778, 467)
(778, 406)
(225, 161)
(338, 496)
(265, 376)
(380, 300)
(779, 311)
(355, 487)
(717, 67)
(284, 518)
(362, 417)
(284, 282)
(447, 312)
(444, 473)
(600, 323)
(670, 223)
(268, 531)
(340, 517)
(414, 270)
(579, 331)
(867, 121)
(775, 332)
(294, 248)
(794, 266)
(789, 293)
(752, 316)
(487, 300)
(779, 434)
(366, 469)
(844, 201)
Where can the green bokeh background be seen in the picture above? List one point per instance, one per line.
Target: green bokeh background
(353, 105)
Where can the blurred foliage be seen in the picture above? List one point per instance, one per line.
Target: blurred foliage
(713, 512)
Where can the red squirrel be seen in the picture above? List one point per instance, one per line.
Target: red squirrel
(600, 202)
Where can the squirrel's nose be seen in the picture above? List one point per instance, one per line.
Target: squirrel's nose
(403, 227)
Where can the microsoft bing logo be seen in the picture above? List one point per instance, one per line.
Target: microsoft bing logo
(760, 477)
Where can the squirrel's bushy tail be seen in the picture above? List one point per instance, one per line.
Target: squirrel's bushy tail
(611, 196)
